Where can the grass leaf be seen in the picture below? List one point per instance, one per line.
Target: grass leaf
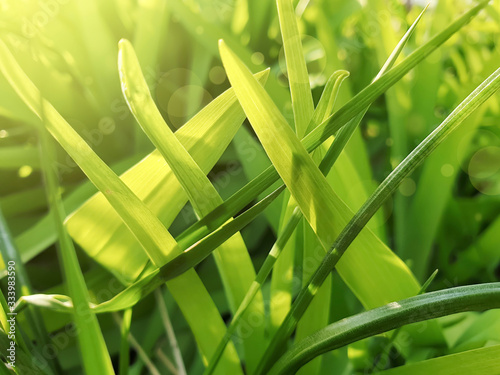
(93, 348)
(188, 290)
(388, 317)
(298, 78)
(232, 257)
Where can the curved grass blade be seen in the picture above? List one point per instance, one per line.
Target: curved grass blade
(300, 89)
(156, 241)
(328, 98)
(394, 315)
(387, 347)
(181, 264)
(317, 314)
(188, 290)
(113, 245)
(93, 348)
(199, 251)
(385, 189)
(357, 104)
(322, 208)
(232, 258)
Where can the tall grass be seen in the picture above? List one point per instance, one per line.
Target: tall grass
(243, 187)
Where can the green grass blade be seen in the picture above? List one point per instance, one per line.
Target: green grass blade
(204, 247)
(152, 25)
(141, 104)
(472, 362)
(124, 345)
(93, 348)
(414, 309)
(232, 257)
(261, 277)
(387, 348)
(352, 108)
(328, 98)
(188, 290)
(156, 240)
(318, 313)
(309, 187)
(283, 271)
(113, 245)
(298, 78)
(346, 132)
(385, 189)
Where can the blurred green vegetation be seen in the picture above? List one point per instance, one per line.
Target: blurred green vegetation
(445, 216)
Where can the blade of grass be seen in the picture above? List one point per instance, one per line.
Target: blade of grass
(232, 258)
(303, 109)
(322, 208)
(472, 362)
(352, 108)
(188, 290)
(147, 284)
(204, 247)
(262, 275)
(485, 90)
(318, 313)
(113, 245)
(414, 309)
(346, 132)
(124, 346)
(91, 341)
(284, 275)
(298, 78)
(387, 348)
(152, 25)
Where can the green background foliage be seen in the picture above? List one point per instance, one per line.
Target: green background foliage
(213, 186)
